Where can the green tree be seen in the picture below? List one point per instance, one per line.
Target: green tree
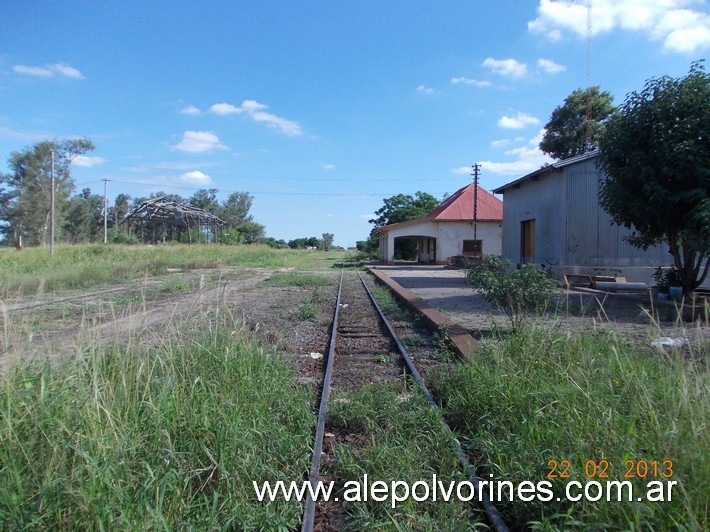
(656, 155)
(25, 201)
(84, 218)
(235, 210)
(205, 199)
(273, 243)
(302, 243)
(369, 247)
(403, 207)
(121, 206)
(566, 134)
(177, 198)
(327, 241)
(297, 243)
(251, 232)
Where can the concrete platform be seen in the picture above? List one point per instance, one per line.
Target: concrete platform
(462, 342)
(452, 305)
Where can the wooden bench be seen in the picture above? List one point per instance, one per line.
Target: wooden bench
(575, 279)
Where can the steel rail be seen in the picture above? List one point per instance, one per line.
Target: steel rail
(492, 513)
(307, 523)
(309, 512)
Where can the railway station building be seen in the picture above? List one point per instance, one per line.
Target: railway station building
(448, 232)
(552, 217)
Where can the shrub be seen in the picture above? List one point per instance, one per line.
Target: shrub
(517, 292)
(116, 236)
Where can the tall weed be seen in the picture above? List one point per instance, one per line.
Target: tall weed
(139, 437)
(88, 265)
(540, 395)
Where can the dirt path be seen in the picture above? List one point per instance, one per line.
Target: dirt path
(102, 320)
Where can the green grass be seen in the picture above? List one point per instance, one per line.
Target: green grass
(394, 435)
(540, 396)
(33, 270)
(169, 436)
(300, 279)
(393, 308)
(178, 286)
(310, 307)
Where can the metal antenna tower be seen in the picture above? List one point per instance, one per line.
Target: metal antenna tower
(588, 115)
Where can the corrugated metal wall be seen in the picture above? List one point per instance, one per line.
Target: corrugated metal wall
(543, 201)
(591, 239)
(573, 234)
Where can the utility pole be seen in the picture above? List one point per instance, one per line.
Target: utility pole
(51, 210)
(476, 168)
(105, 210)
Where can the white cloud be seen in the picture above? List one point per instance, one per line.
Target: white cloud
(251, 106)
(499, 143)
(518, 121)
(550, 67)
(87, 162)
(196, 178)
(526, 159)
(287, 127)
(190, 110)
(49, 71)
(425, 90)
(224, 109)
(256, 111)
(471, 82)
(684, 31)
(367, 217)
(681, 29)
(67, 71)
(328, 166)
(6, 132)
(506, 67)
(461, 170)
(199, 142)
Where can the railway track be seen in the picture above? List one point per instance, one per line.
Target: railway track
(362, 343)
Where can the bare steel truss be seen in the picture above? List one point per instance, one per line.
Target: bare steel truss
(166, 217)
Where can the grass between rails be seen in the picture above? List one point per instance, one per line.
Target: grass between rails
(316, 284)
(169, 436)
(33, 269)
(394, 435)
(541, 395)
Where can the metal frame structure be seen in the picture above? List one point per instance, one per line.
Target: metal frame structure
(165, 216)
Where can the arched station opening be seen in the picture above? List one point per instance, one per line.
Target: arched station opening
(414, 248)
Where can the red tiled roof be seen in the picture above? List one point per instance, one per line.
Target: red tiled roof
(459, 206)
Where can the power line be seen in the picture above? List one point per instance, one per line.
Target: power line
(263, 193)
(329, 180)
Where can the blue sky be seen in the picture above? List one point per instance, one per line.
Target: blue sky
(320, 109)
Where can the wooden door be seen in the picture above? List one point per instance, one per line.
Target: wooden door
(527, 241)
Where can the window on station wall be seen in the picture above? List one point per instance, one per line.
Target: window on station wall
(473, 248)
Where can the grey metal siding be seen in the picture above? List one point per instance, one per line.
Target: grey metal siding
(591, 238)
(542, 201)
